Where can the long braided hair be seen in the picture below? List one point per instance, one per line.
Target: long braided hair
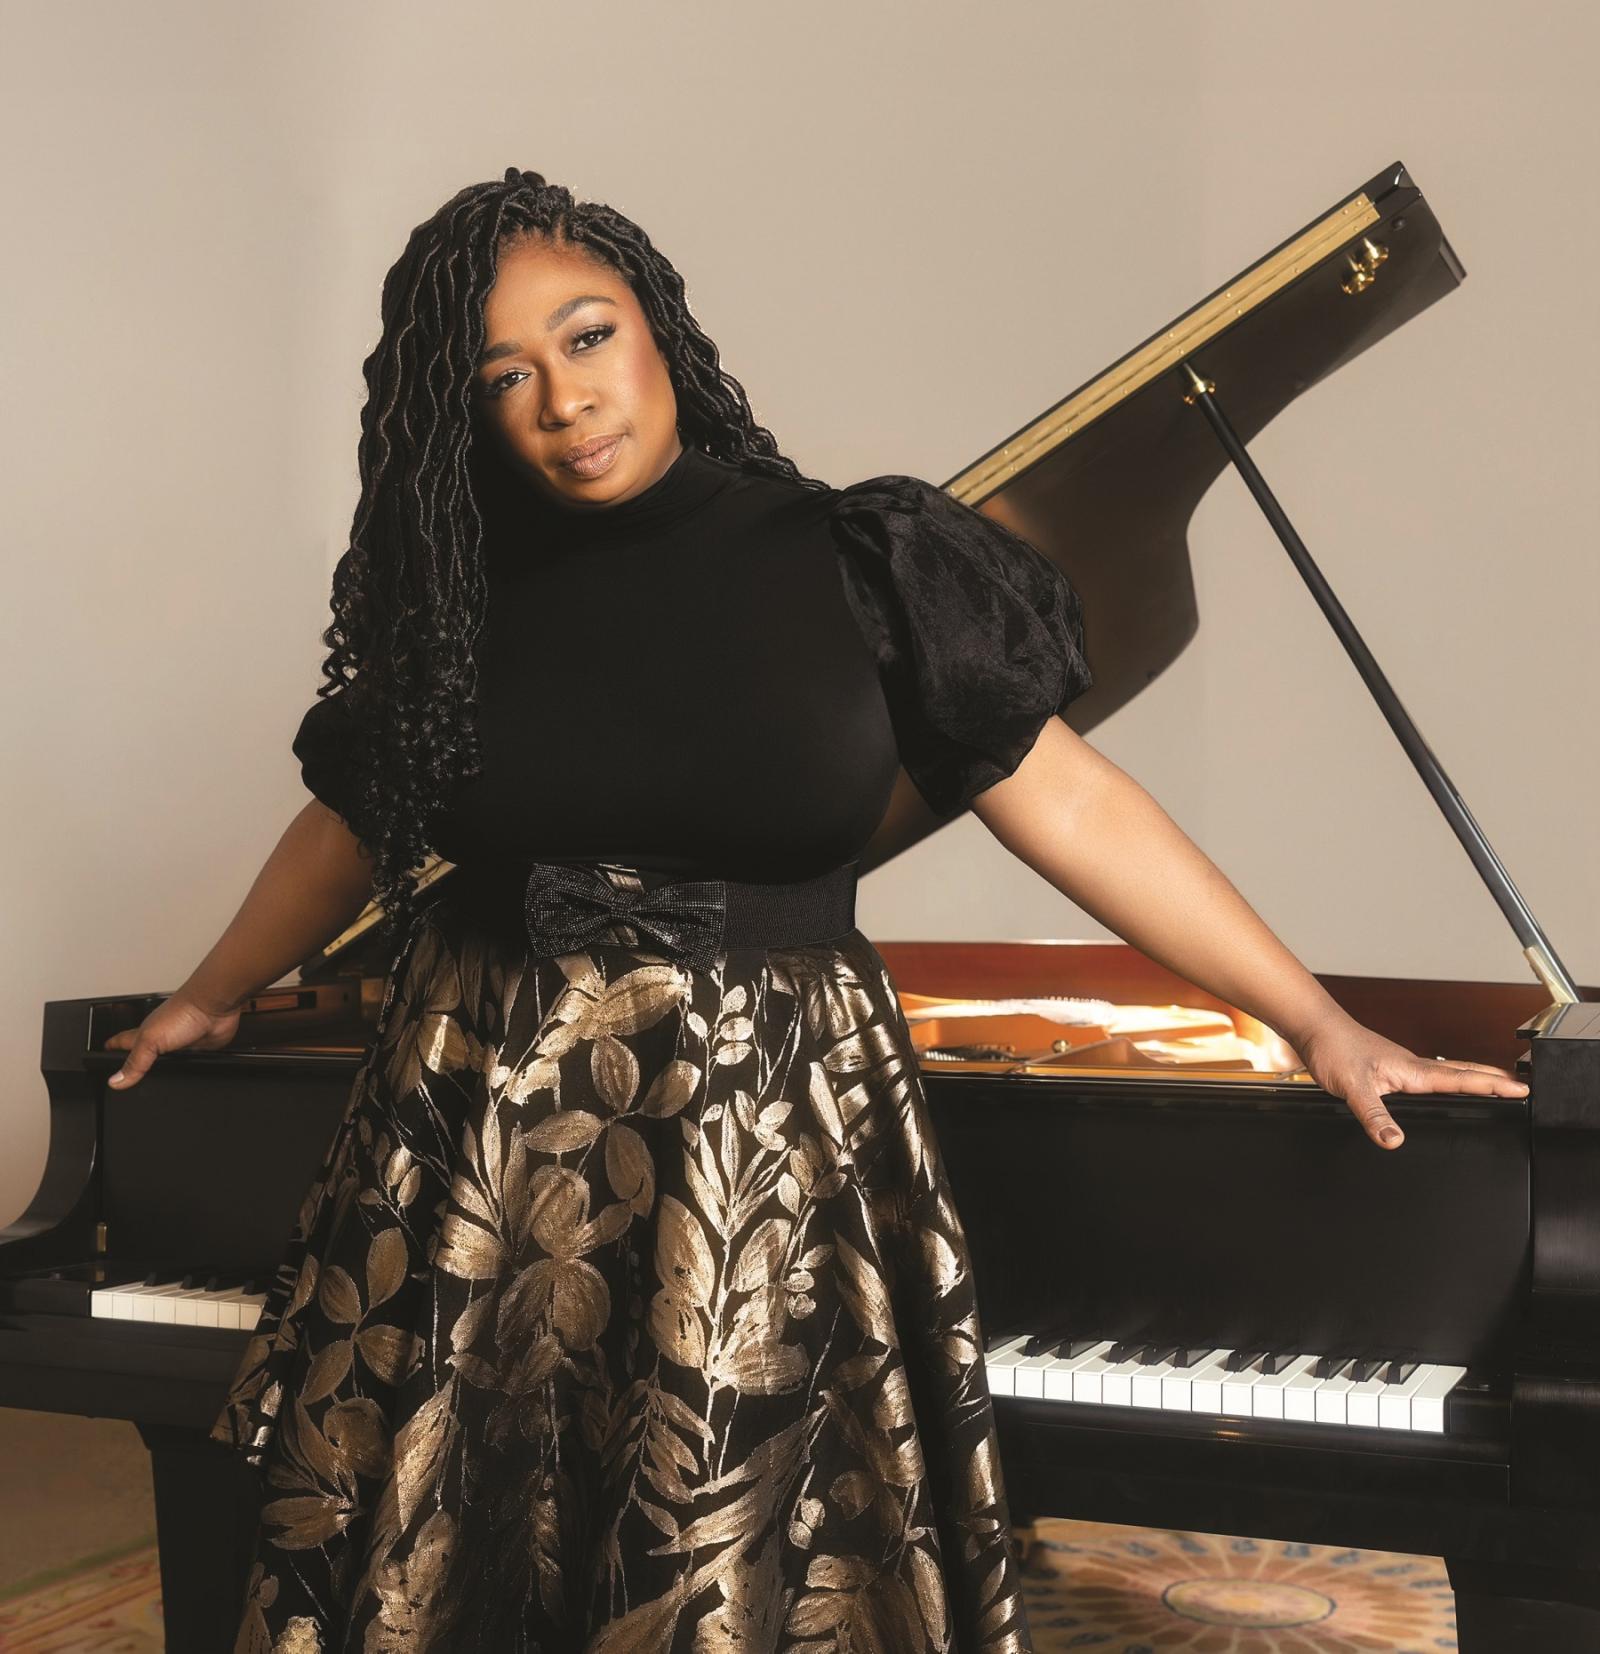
(409, 594)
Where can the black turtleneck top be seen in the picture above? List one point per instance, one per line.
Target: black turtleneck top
(721, 676)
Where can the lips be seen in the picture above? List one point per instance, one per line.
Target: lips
(585, 450)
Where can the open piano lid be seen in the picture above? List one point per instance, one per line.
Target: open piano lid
(1076, 480)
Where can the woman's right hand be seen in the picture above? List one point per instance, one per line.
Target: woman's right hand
(176, 1023)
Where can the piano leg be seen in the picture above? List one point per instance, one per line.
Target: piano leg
(1508, 1605)
(208, 1507)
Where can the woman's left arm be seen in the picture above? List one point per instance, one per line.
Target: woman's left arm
(1106, 844)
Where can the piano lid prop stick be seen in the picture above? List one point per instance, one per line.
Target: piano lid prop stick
(1536, 948)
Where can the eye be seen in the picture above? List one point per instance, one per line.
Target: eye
(604, 330)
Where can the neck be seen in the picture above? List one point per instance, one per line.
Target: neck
(537, 524)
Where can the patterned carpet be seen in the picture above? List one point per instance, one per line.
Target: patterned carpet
(1112, 1590)
(109, 1603)
(1139, 1590)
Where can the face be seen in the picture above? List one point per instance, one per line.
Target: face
(569, 357)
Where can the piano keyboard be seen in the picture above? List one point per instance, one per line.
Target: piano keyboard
(185, 1301)
(1262, 1384)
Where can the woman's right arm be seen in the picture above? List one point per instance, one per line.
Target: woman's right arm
(313, 884)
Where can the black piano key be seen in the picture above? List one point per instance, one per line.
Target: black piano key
(1274, 1361)
(1397, 1372)
(1039, 1344)
(1074, 1347)
(1057, 1329)
(1001, 1339)
(1243, 1361)
(1185, 1358)
(1153, 1355)
(1124, 1350)
(1364, 1367)
(1330, 1366)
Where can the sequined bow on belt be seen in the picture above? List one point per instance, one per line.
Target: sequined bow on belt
(567, 908)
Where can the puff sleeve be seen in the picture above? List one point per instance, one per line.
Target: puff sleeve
(323, 744)
(978, 635)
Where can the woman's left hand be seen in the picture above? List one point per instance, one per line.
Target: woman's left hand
(1349, 1060)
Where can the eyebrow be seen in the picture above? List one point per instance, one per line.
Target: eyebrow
(510, 347)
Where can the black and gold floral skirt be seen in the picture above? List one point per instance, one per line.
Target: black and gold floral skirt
(627, 1311)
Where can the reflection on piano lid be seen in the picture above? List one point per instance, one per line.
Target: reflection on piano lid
(1045, 1032)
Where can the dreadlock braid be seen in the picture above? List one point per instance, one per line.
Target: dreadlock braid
(410, 593)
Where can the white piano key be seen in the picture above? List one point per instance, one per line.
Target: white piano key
(143, 1298)
(163, 1301)
(1144, 1388)
(1059, 1375)
(1427, 1403)
(1116, 1383)
(1177, 1387)
(1293, 1393)
(186, 1306)
(205, 1309)
(1266, 1394)
(1088, 1376)
(1300, 1394)
(113, 1302)
(1361, 1404)
(227, 1307)
(1236, 1388)
(1029, 1375)
(1205, 1389)
(196, 1307)
(173, 1304)
(1394, 1405)
(1331, 1395)
(1000, 1362)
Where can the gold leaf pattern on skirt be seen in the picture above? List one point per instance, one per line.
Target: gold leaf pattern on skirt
(627, 1311)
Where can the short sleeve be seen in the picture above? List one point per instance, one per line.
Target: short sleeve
(324, 744)
(978, 635)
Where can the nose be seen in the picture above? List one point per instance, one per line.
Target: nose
(567, 398)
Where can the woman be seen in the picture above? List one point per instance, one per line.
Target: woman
(629, 1309)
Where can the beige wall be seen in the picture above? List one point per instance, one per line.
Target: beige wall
(910, 229)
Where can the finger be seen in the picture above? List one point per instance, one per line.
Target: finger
(121, 1042)
(1378, 1122)
(1479, 1067)
(1474, 1079)
(144, 1053)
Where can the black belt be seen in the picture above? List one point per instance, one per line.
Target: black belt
(565, 906)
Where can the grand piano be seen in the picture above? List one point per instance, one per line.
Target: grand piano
(1208, 1302)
